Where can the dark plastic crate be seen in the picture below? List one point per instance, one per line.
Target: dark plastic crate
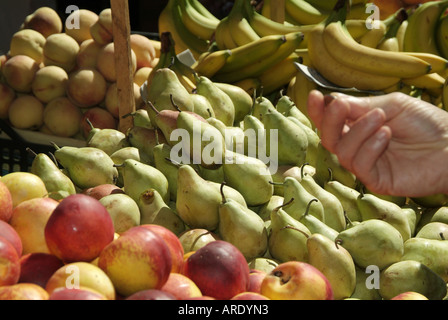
(14, 155)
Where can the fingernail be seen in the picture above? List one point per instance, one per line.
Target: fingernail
(328, 98)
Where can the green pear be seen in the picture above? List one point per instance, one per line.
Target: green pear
(250, 176)
(234, 136)
(254, 136)
(154, 210)
(243, 228)
(373, 207)
(145, 140)
(261, 106)
(87, 166)
(214, 175)
(372, 242)
(292, 189)
(202, 106)
(164, 89)
(287, 237)
(433, 230)
(428, 215)
(334, 216)
(139, 176)
(432, 201)
(265, 210)
(327, 160)
(108, 140)
(286, 106)
(263, 264)
(316, 226)
(140, 118)
(335, 263)
(220, 101)
(162, 154)
(295, 172)
(204, 143)
(127, 153)
(399, 201)
(242, 101)
(56, 182)
(165, 120)
(413, 213)
(123, 210)
(430, 252)
(365, 289)
(409, 275)
(198, 200)
(313, 142)
(347, 196)
(285, 140)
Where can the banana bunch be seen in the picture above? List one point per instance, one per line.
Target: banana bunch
(422, 30)
(191, 24)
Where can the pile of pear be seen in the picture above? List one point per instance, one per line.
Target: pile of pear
(310, 208)
(59, 71)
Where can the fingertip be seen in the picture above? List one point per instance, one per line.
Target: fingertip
(315, 105)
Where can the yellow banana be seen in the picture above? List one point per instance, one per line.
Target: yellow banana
(210, 64)
(445, 95)
(264, 26)
(438, 63)
(358, 11)
(257, 67)
(338, 73)
(420, 33)
(347, 51)
(356, 27)
(279, 75)
(249, 53)
(427, 81)
(222, 35)
(327, 5)
(301, 88)
(304, 13)
(195, 22)
(290, 88)
(250, 85)
(239, 27)
(266, 9)
(442, 36)
(373, 36)
(400, 34)
(390, 41)
(170, 19)
(304, 57)
(198, 6)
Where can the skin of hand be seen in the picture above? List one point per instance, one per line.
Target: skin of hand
(395, 144)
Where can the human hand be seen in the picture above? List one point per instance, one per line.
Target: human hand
(395, 144)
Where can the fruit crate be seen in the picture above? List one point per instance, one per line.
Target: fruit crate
(14, 144)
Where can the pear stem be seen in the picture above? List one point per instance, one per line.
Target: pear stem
(28, 149)
(156, 134)
(128, 115)
(116, 165)
(54, 158)
(197, 238)
(330, 172)
(442, 236)
(309, 205)
(283, 205)
(54, 145)
(224, 200)
(276, 183)
(296, 229)
(337, 243)
(174, 104)
(153, 107)
(177, 164)
(302, 171)
(90, 123)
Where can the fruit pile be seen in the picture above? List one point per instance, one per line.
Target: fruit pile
(56, 75)
(221, 189)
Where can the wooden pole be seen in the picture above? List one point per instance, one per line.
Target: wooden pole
(278, 10)
(123, 62)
